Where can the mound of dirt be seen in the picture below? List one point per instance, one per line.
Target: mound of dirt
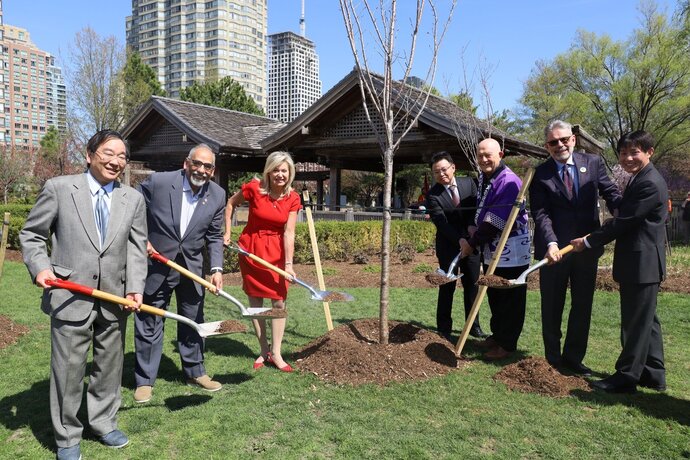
(350, 354)
(535, 375)
(10, 332)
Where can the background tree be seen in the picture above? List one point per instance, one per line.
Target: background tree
(53, 158)
(92, 72)
(225, 93)
(362, 187)
(614, 87)
(139, 82)
(15, 169)
(396, 107)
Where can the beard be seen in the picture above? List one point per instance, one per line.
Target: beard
(197, 181)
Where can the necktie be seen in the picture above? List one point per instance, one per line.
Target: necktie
(454, 195)
(568, 181)
(102, 214)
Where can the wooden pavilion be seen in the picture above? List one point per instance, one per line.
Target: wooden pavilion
(333, 132)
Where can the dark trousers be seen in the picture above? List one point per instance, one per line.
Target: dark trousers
(469, 266)
(507, 308)
(581, 271)
(642, 355)
(148, 330)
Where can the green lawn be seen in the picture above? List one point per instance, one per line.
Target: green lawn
(268, 414)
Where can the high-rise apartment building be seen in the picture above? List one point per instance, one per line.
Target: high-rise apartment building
(32, 90)
(186, 41)
(293, 76)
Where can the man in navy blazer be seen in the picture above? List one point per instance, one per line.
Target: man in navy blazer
(184, 214)
(452, 222)
(639, 266)
(564, 208)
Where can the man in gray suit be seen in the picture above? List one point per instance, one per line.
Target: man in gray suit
(184, 213)
(97, 228)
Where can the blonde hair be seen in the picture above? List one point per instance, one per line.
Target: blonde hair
(274, 160)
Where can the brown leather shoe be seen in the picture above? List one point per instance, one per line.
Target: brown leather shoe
(205, 383)
(496, 353)
(143, 393)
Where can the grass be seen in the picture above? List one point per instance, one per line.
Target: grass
(268, 414)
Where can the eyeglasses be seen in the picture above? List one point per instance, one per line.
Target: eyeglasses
(109, 155)
(562, 140)
(438, 172)
(196, 164)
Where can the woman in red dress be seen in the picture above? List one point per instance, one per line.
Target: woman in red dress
(269, 234)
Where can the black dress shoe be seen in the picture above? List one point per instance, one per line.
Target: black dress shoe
(447, 336)
(652, 385)
(614, 384)
(576, 368)
(477, 332)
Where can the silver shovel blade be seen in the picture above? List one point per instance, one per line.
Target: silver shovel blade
(332, 296)
(212, 328)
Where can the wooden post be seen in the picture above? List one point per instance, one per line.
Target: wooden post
(3, 239)
(317, 265)
(494, 261)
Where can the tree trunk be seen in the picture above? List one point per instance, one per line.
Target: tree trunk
(385, 245)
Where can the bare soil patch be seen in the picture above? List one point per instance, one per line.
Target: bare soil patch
(535, 375)
(10, 332)
(350, 354)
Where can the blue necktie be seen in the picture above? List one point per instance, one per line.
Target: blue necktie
(102, 214)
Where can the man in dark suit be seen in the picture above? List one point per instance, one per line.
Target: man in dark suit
(564, 204)
(451, 203)
(97, 228)
(185, 213)
(639, 266)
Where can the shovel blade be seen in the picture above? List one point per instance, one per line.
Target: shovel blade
(212, 328)
(332, 296)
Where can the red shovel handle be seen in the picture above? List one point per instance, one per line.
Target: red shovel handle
(74, 287)
(159, 258)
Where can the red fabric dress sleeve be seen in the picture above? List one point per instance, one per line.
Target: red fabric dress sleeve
(295, 202)
(250, 189)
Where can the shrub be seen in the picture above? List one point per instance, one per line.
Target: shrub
(18, 214)
(342, 241)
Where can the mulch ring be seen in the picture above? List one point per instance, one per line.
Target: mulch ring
(10, 332)
(350, 354)
(536, 375)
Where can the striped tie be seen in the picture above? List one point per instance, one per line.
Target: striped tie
(102, 214)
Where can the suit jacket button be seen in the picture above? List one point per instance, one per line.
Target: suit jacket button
(95, 277)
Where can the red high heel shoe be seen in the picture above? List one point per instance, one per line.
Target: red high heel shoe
(286, 368)
(259, 364)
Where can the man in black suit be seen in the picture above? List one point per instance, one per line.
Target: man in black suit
(564, 204)
(451, 203)
(639, 266)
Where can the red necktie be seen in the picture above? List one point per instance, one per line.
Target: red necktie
(568, 181)
(454, 195)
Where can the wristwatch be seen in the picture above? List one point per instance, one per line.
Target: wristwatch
(216, 270)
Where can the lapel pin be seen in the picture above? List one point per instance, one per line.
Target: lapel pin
(583, 169)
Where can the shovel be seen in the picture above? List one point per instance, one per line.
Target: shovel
(203, 329)
(322, 296)
(501, 283)
(252, 311)
(440, 277)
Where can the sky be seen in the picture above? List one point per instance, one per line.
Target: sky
(506, 36)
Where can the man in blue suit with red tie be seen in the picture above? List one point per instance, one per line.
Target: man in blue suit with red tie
(564, 203)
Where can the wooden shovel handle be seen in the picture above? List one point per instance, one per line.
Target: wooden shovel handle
(261, 261)
(175, 266)
(81, 289)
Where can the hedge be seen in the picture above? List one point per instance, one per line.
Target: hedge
(18, 214)
(341, 241)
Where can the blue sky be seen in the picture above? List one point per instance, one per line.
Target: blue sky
(509, 36)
